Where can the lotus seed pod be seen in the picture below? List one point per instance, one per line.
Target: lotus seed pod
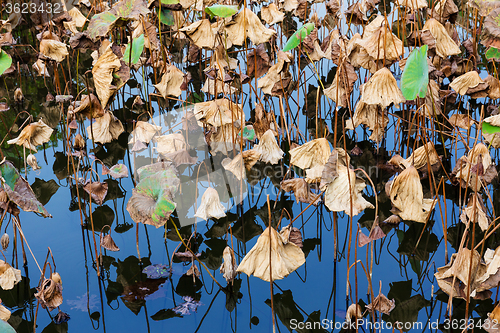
(4, 241)
(56, 278)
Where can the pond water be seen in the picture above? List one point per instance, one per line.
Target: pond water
(106, 291)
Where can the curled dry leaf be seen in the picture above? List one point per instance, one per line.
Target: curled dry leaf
(106, 65)
(210, 205)
(470, 84)
(97, 191)
(258, 61)
(53, 49)
(180, 157)
(144, 132)
(461, 120)
(372, 116)
(444, 10)
(271, 251)
(382, 89)
(90, 107)
(49, 294)
(382, 44)
(291, 234)
(343, 84)
(344, 193)
(4, 241)
(422, 156)
(171, 81)
(445, 46)
(268, 148)
(9, 276)
(152, 199)
(170, 143)
(475, 212)
(276, 80)
(313, 153)
(247, 24)
(407, 197)
(77, 17)
(41, 68)
(382, 304)
(33, 135)
(118, 171)
(301, 190)
(271, 14)
(229, 266)
(108, 243)
(218, 112)
(32, 162)
(105, 129)
(476, 169)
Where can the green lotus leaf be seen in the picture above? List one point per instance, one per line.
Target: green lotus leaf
(493, 54)
(134, 50)
(248, 133)
(221, 10)
(19, 191)
(6, 328)
(298, 36)
(166, 17)
(489, 128)
(415, 76)
(121, 13)
(152, 199)
(5, 61)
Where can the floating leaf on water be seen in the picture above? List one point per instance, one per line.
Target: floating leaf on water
(19, 191)
(134, 50)
(5, 61)
(298, 36)
(415, 76)
(157, 271)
